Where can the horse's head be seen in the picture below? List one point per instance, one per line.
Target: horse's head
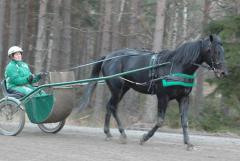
(214, 55)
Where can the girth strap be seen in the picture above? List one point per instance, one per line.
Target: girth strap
(152, 73)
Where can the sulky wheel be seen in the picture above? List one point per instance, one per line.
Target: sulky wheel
(52, 127)
(12, 117)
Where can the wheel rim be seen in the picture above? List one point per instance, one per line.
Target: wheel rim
(51, 127)
(12, 118)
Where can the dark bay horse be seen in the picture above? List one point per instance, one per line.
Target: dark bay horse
(186, 59)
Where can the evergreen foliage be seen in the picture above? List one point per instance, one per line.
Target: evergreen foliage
(227, 112)
(229, 30)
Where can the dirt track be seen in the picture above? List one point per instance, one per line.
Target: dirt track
(88, 144)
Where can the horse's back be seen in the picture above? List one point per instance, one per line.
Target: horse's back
(125, 52)
(124, 60)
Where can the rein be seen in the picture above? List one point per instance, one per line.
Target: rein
(203, 66)
(95, 62)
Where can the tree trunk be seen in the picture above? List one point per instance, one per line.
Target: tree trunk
(175, 26)
(50, 50)
(2, 13)
(6, 33)
(130, 103)
(238, 7)
(159, 26)
(123, 2)
(32, 28)
(101, 99)
(106, 27)
(13, 23)
(53, 63)
(76, 41)
(41, 36)
(169, 21)
(115, 24)
(185, 18)
(179, 39)
(151, 101)
(100, 29)
(66, 40)
(29, 29)
(133, 26)
(198, 100)
(22, 17)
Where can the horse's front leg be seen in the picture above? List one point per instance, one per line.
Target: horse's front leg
(183, 109)
(162, 105)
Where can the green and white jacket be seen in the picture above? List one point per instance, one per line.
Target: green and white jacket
(17, 74)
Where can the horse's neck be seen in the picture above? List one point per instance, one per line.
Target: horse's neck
(191, 68)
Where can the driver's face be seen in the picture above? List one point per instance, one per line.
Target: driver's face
(17, 56)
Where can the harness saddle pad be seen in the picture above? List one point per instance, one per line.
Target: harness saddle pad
(179, 79)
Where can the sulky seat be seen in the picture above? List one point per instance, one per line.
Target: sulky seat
(9, 93)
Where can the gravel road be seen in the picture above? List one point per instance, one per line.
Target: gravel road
(88, 144)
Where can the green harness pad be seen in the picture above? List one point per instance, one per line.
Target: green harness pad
(179, 79)
(39, 108)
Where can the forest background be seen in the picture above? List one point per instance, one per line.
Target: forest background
(59, 34)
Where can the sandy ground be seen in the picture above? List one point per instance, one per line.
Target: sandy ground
(88, 144)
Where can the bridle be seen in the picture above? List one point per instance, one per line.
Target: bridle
(212, 53)
(215, 63)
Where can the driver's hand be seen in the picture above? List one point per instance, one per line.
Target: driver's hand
(42, 74)
(30, 78)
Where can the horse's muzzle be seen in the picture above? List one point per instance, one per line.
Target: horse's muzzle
(220, 73)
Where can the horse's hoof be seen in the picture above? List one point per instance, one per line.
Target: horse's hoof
(190, 147)
(143, 139)
(123, 139)
(108, 138)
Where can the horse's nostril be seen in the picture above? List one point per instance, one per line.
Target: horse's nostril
(224, 74)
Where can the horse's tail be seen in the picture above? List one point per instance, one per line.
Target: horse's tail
(88, 91)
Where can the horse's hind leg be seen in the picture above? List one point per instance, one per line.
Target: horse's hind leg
(123, 136)
(107, 120)
(112, 109)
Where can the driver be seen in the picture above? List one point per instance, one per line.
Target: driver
(18, 75)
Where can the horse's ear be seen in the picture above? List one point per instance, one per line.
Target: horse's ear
(211, 38)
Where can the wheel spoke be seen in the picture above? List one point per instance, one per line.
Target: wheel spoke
(12, 118)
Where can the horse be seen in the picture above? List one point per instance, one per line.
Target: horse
(185, 59)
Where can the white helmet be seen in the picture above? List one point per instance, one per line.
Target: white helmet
(14, 49)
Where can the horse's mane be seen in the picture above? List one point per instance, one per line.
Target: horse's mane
(185, 54)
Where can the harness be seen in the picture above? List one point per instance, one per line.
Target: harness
(153, 73)
(179, 79)
(172, 79)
